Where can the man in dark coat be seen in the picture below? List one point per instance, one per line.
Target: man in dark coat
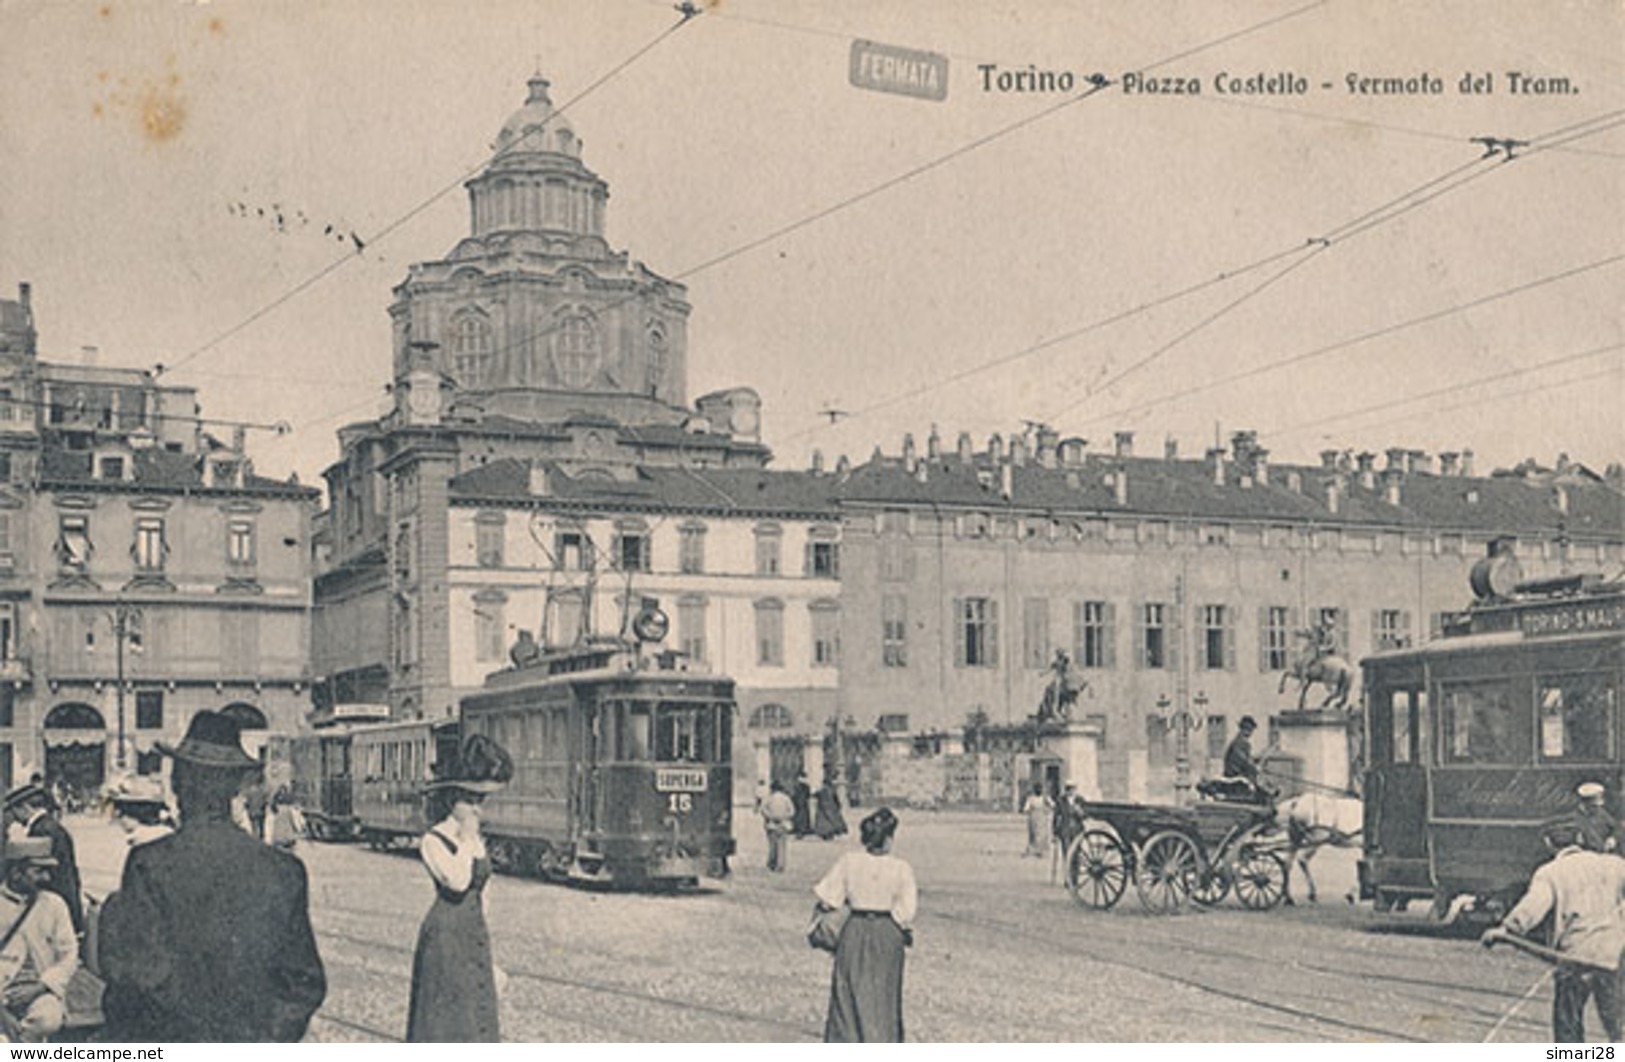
(801, 796)
(27, 805)
(208, 937)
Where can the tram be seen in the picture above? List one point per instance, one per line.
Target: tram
(1477, 737)
(319, 769)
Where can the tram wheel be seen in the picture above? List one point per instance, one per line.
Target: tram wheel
(1170, 866)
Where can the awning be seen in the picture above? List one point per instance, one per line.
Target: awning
(64, 738)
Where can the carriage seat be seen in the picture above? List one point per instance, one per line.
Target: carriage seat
(1233, 791)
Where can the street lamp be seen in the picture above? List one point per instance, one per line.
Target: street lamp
(1182, 721)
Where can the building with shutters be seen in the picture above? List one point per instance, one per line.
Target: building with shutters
(146, 572)
(1168, 581)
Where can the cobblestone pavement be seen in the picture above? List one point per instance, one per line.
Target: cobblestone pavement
(1001, 954)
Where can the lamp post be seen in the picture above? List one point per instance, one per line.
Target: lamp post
(1183, 721)
(125, 620)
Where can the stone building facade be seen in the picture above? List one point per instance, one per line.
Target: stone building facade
(146, 572)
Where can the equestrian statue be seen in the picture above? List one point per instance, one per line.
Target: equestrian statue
(1318, 662)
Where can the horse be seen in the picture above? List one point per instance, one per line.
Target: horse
(1314, 820)
(1061, 695)
(1316, 665)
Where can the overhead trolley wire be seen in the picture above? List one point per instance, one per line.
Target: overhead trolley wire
(423, 205)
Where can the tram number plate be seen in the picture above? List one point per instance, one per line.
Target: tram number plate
(680, 781)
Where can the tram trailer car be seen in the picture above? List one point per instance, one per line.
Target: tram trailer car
(1478, 737)
(622, 771)
(389, 766)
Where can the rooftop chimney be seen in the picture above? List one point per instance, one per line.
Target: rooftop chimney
(1367, 464)
(1123, 443)
(995, 447)
(1120, 486)
(922, 471)
(25, 294)
(843, 466)
(818, 462)
(1422, 462)
(1072, 452)
(1261, 466)
(933, 445)
(964, 446)
(1448, 463)
(1018, 450)
(1560, 498)
(1215, 464)
(908, 451)
(1466, 462)
(1328, 460)
(1170, 449)
(1007, 480)
(1334, 496)
(1048, 440)
(1391, 479)
(1396, 458)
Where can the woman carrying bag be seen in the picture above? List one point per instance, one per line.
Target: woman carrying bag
(866, 986)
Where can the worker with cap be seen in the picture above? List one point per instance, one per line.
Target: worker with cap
(1599, 832)
(39, 950)
(1239, 764)
(208, 938)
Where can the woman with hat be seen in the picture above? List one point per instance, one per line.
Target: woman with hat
(454, 995)
(866, 986)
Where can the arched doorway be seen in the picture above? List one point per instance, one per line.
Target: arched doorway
(75, 736)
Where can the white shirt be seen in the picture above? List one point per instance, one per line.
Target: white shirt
(452, 871)
(871, 883)
(1583, 891)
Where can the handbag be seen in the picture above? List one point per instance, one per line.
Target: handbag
(824, 931)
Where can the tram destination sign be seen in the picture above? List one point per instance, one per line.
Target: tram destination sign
(1579, 617)
(902, 71)
(679, 780)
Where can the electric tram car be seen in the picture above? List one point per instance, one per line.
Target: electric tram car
(1477, 737)
(622, 769)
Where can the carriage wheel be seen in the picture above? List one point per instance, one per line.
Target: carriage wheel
(1097, 869)
(1169, 869)
(1260, 879)
(1213, 885)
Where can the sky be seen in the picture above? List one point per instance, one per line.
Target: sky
(1332, 267)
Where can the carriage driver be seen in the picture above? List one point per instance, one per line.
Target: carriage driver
(1239, 764)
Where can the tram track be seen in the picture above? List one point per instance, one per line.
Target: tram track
(1185, 981)
(799, 1030)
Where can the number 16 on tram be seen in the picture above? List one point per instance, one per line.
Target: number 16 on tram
(1476, 738)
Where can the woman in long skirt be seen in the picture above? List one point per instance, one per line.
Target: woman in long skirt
(454, 995)
(866, 986)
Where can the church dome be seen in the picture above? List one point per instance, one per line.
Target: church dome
(537, 126)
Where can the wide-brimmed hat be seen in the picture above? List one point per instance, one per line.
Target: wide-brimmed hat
(480, 766)
(22, 794)
(1247, 722)
(34, 850)
(213, 739)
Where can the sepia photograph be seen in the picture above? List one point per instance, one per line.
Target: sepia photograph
(739, 521)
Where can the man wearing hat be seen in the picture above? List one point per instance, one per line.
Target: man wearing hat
(29, 805)
(39, 949)
(1582, 892)
(1598, 830)
(208, 937)
(1238, 756)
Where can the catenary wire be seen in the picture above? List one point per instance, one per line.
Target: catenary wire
(423, 205)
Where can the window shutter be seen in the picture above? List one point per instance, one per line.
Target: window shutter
(835, 560)
(992, 632)
(1405, 626)
(959, 631)
(1139, 640)
(1345, 637)
(1229, 640)
(1108, 638)
(1376, 629)
(1201, 645)
(807, 559)
(1263, 639)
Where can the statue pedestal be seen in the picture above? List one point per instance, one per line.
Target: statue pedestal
(1319, 740)
(1078, 746)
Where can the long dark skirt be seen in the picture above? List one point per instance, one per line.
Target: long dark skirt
(866, 989)
(454, 992)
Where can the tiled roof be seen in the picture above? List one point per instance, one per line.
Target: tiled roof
(684, 489)
(154, 469)
(1186, 488)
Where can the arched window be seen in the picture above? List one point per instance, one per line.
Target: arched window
(657, 357)
(471, 350)
(74, 716)
(771, 717)
(575, 352)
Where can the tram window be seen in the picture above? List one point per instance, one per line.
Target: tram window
(725, 738)
(634, 731)
(508, 733)
(1487, 723)
(686, 734)
(1399, 707)
(1577, 717)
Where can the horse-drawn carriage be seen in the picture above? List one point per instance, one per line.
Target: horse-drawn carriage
(1178, 855)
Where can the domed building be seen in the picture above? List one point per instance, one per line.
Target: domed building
(543, 466)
